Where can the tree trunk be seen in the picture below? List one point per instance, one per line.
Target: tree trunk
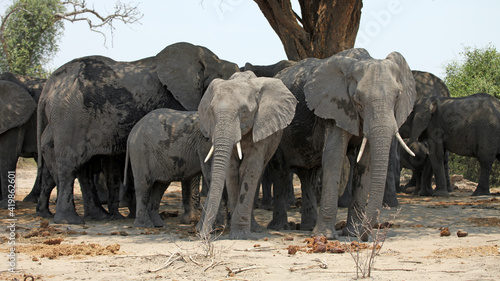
(327, 27)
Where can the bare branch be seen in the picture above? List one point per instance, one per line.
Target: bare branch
(78, 11)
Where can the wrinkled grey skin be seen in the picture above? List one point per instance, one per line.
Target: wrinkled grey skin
(420, 166)
(166, 145)
(267, 70)
(18, 100)
(468, 126)
(89, 106)
(252, 111)
(355, 96)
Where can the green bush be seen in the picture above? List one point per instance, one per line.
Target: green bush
(478, 71)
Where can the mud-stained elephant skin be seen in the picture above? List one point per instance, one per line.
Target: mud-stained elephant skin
(353, 96)
(89, 105)
(18, 100)
(250, 113)
(468, 126)
(166, 145)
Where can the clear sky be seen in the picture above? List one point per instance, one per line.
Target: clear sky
(429, 33)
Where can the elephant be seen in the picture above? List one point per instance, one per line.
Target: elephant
(468, 126)
(358, 101)
(166, 145)
(248, 112)
(17, 127)
(267, 70)
(426, 85)
(89, 105)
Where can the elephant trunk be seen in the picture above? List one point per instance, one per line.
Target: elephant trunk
(224, 140)
(380, 141)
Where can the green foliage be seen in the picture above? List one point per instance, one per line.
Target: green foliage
(479, 71)
(31, 33)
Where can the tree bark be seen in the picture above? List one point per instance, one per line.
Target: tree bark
(326, 27)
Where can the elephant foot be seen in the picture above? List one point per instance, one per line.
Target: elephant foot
(327, 232)
(426, 192)
(97, 214)
(391, 201)
(479, 192)
(116, 216)
(190, 217)
(349, 230)
(277, 224)
(306, 225)
(143, 222)
(256, 227)
(441, 193)
(44, 214)
(241, 234)
(31, 198)
(68, 217)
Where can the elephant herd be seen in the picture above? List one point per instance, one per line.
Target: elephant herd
(186, 115)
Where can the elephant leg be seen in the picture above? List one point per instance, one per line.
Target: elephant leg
(278, 172)
(46, 186)
(356, 215)
(127, 196)
(8, 162)
(191, 200)
(113, 171)
(483, 187)
(157, 192)
(92, 207)
(393, 175)
(335, 149)
(143, 196)
(290, 192)
(437, 162)
(309, 208)
(7, 170)
(266, 203)
(447, 171)
(251, 169)
(35, 191)
(65, 206)
(346, 197)
(424, 180)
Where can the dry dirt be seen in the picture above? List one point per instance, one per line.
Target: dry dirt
(114, 250)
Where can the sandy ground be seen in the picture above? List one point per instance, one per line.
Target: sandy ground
(115, 250)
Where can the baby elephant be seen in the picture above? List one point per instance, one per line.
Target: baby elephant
(164, 146)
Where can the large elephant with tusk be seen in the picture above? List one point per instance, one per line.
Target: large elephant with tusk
(352, 100)
(244, 118)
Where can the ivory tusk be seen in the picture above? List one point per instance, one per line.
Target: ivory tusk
(402, 142)
(209, 154)
(238, 147)
(363, 144)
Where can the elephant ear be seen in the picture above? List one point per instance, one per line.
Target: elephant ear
(207, 118)
(327, 92)
(429, 85)
(187, 70)
(16, 105)
(276, 107)
(404, 105)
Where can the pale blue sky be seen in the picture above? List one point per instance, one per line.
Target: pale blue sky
(429, 33)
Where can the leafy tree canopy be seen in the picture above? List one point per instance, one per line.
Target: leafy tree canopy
(479, 71)
(31, 29)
